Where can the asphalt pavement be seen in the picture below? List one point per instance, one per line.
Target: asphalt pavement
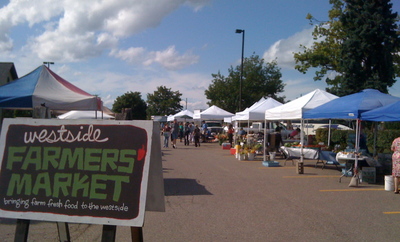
(212, 196)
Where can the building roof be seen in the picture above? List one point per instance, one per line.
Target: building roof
(6, 69)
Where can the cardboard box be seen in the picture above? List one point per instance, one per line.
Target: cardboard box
(369, 174)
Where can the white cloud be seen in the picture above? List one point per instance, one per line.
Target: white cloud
(283, 49)
(169, 58)
(76, 30)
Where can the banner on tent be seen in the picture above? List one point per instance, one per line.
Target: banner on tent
(74, 171)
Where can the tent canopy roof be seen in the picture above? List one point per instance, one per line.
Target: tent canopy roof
(44, 87)
(294, 110)
(82, 114)
(387, 113)
(257, 110)
(184, 114)
(351, 106)
(213, 113)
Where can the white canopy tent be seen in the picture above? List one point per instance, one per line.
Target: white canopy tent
(181, 116)
(294, 110)
(212, 113)
(257, 110)
(81, 114)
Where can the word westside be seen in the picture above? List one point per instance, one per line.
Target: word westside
(64, 135)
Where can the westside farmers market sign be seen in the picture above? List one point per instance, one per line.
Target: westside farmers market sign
(74, 171)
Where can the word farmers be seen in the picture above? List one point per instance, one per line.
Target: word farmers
(64, 135)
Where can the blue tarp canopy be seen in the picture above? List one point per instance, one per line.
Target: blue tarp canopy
(388, 113)
(351, 106)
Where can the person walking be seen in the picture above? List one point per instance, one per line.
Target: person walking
(175, 132)
(231, 131)
(187, 133)
(181, 131)
(166, 133)
(396, 163)
(196, 134)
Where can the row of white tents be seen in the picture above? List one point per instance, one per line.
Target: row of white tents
(369, 105)
(264, 109)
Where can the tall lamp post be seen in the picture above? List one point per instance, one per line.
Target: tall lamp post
(48, 63)
(241, 31)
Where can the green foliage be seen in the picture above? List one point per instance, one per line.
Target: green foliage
(163, 102)
(11, 113)
(384, 140)
(321, 135)
(260, 79)
(131, 100)
(359, 44)
(370, 42)
(338, 137)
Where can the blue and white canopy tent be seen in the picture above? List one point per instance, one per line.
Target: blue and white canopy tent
(351, 107)
(44, 87)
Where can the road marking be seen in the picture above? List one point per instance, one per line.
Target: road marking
(311, 176)
(391, 212)
(353, 190)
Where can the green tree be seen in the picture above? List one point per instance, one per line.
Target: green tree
(131, 100)
(163, 102)
(347, 47)
(260, 79)
(370, 42)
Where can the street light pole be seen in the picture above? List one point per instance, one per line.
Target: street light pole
(241, 31)
(48, 63)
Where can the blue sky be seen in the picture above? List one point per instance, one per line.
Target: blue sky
(111, 47)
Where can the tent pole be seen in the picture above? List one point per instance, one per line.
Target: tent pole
(265, 140)
(357, 141)
(302, 141)
(329, 132)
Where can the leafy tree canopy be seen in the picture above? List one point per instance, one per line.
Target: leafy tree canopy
(163, 102)
(260, 79)
(359, 45)
(131, 100)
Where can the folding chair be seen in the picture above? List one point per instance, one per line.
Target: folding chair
(330, 159)
(288, 155)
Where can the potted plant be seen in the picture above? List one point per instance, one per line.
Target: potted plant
(242, 154)
(252, 154)
(221, 138)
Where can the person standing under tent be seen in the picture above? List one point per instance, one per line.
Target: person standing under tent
(396, 163)
(204, 130)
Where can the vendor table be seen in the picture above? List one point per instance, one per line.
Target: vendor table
(347, 159)
(295, 153)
